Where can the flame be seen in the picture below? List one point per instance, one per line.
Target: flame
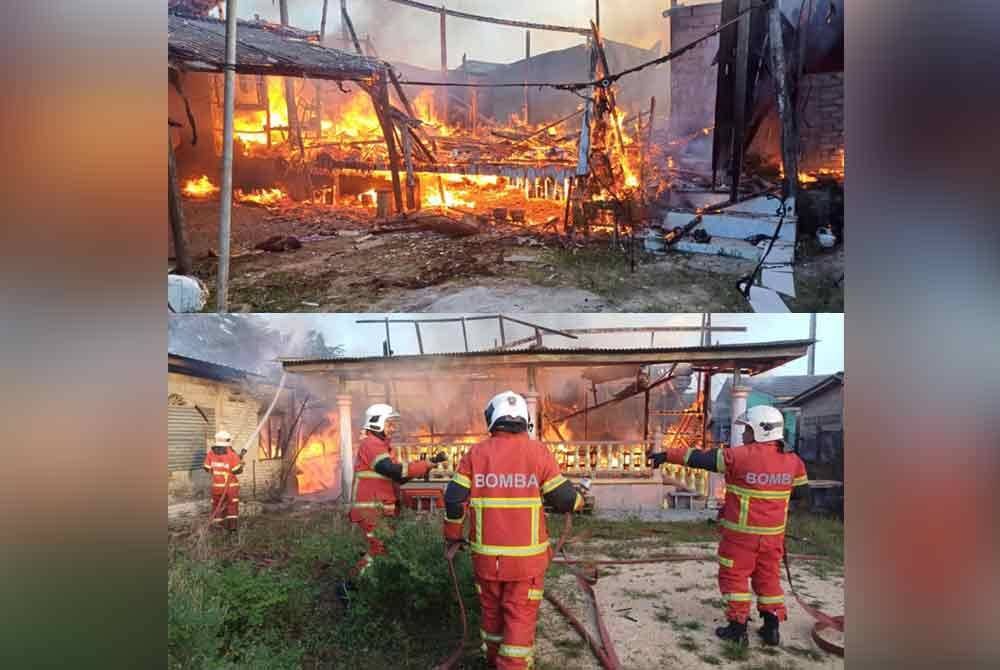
(356, 120)
(370, 192)
(317, 469)
(267, 196)
(200, 188)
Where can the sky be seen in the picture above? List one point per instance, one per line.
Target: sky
(411, 35)
(366, 339)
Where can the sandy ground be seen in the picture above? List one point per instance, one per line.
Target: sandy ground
(342, 267)
(664, 615)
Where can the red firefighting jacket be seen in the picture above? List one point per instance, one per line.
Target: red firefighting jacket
(759, 482)
(224, 468)
(506, 476)
(373, 494)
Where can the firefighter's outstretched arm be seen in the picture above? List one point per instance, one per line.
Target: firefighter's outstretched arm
(712, 460)
(400, 472)
(560, 494)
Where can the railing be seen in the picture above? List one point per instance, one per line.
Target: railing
(588, 458)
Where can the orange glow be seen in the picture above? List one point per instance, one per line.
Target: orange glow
(200, 188)
(317, 468)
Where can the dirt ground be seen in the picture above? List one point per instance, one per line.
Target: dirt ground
(664, 615)
(342, 266)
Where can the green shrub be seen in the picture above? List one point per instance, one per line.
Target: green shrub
(195, 620)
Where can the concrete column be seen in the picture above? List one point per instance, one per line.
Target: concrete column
(739, 406)
(346, 445)
(531, 397)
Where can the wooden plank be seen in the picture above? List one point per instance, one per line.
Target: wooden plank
(786, 111)
(443, 100)
(181, 253)
(740, 73)
(489, 19)
(527, 78)
(380, 101)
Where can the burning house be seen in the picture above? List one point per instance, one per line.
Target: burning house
(599, 410)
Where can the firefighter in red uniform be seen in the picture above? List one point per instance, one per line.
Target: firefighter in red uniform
(224, 464)
(377, 477)
(760, 478)
(503, 481)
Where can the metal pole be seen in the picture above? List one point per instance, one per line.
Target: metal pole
(812, 347)
(527, 74)
(786, 111)
(444, 68)
(226, 187)
(343, 22)
(597, 13)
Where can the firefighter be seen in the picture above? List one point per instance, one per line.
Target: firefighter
(504, 481)
(377, 477)
(761, 475)
(224, 464)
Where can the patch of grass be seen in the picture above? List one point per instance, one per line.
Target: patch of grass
(735, 652)
(607, 272)
(816, 294)
(688, 643)
(825, 536)
(769, 665)
(768, 651)
(803, 652)
(659, 533)
(713, 602)
(687, 625)
(644, 595)
(568, 647)
(684, 589)
(709, 659)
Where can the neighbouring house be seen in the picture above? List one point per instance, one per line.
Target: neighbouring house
(820, 438)
(205, 397)
(773, 390)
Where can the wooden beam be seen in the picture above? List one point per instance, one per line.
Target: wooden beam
(291, 106)
(740, 73)
(489, 19)
(786, 111)
(181, 253)
(443, 98)
(380, 100)
(527, 76)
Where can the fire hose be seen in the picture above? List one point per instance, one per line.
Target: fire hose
(823, 621)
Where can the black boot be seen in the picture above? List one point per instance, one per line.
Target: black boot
(769, 631)
(734, 632)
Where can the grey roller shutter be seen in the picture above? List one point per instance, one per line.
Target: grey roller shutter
(187, 437)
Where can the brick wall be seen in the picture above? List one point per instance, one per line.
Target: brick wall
(693, 78)
(821, 124)
(235, 411)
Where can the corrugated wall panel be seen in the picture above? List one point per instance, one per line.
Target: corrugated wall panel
(187, 437)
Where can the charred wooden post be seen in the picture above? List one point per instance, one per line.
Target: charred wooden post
(527, 76)
(181, 253)
(411, 199)
(644, 147)
(290, 102)
(739, 101)
(786, 111)
(443, 116)
(380, 100)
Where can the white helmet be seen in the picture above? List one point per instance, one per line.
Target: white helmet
(223, 439)
(765, 421)
(377, 415)
(510, 408)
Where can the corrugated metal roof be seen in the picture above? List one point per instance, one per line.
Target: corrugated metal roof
(652, 351)
(779, 386)
(206, 369)
(261, 48)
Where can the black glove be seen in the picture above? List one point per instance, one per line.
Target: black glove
(658, 459)
(439, 457)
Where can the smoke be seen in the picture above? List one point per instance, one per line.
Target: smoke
(409, 35)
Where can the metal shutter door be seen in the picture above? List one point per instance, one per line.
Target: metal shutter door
(187, 437)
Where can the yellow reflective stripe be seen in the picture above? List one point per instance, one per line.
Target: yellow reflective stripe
(744, 508)
(727, 562)
(370, 474)
(513, 550)
(553, 483)
(687, 454)
(479, 589)
(459, 520)
(489, 637)
(737, 597)
(770, 600)
(378, 458)
(753, 530)
(755, 493)
(374, 504)
(479, 525)
(506, 502)
(534, 524)
(462, 480)
(406, 468)
(720, 461)
(515, 651)
(800, 481)
(579, 502)
(535, 594)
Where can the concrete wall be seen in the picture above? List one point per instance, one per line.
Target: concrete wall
(693, 78)
(235, 411)
(628, 497)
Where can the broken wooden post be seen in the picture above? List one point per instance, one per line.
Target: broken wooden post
(443, 102)
(740, 73)
(527, 76)
(645, 146)
(411, 200)
(381, 103)
(226, 185)
(786, 111)
(181, 253)
(295, 131)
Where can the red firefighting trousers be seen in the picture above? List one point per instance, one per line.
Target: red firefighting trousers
(509, 614)
(226, 512)
(756, 558)
(375, 545)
